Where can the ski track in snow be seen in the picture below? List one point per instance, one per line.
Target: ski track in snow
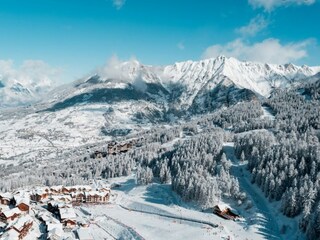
(271, 228)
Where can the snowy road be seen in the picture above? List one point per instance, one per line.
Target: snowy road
(264, 216)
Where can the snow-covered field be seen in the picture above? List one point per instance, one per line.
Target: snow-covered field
(155, 212)
(31, 136)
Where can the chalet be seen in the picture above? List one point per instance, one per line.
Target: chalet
(115, 148)
(23, 206)
(23, 225)
(62, 198)
(126, 147)
(98, 154)
(69, 223)
(71, 189)
(22, 202)
(105, 189)
(53, 227)
(10, 215)
(83, 188)
(54, 206)
(97, 197)
(65, 190)
(46, 218)
(56, 190)
(225, 212)
(68, 217)
(79, 197)
(39, 195)
(5, 198)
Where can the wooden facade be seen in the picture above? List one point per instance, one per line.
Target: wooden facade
(5, 199)
(69, 223)
(6, 218)
(225, 213)
(38, 197)
(23, 231)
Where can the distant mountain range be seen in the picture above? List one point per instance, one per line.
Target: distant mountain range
(191, 86)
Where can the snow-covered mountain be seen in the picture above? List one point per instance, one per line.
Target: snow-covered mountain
(191, 85)
(16, 93)
(129, 97)
(205, 75)
(196, 86)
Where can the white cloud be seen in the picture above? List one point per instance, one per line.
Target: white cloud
(256, 24)
(181, 46)
(269, 5)
(268, 51)
(113, 69)
(123, 72)
(35, 74)
(118, 3)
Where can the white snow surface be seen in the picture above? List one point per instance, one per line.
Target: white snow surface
(142, 212)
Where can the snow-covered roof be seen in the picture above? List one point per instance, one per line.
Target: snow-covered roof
(2, 225)
(62, 198)
(56, 188)
(4, 208)
(59, 204)
(22, 221)
(55, 232)
(67, 213)
(84, 234)
(94, 193)
(10, 234)
(11, 212)
(105, 189)
(20, 200)
(51, 226)
(81, 187)
(32, 235)
(47, 218)
(6, 195)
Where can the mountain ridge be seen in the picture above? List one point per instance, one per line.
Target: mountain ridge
(182, 83)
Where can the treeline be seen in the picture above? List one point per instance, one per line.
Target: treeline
(285, 162)
(197, 169)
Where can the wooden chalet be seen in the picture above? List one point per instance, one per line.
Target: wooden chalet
(10, 215)
(39, 196)
(225, 212)
(22, 202)
(68, 217)
(66, 190)
(115, 148)
(23, 225)
(69, 223)
(56, 190)
(23, 206)
(80, 197)
(5, 198)
(97, 197)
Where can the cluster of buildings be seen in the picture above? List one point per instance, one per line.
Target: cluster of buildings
(52, 208)
(15, 220)
(75, 194)
(115, 148)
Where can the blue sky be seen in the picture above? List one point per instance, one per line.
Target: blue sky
(71, 38)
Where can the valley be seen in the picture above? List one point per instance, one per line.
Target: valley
(178, 141)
